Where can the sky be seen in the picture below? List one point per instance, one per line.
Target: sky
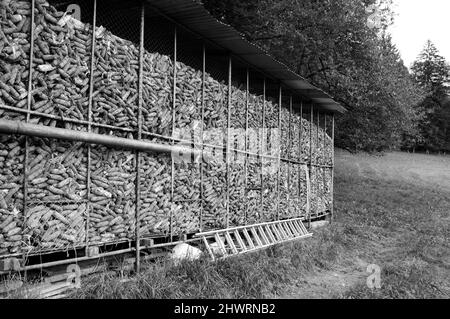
(416, 21)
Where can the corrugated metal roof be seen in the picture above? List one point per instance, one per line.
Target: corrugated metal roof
(194, 17)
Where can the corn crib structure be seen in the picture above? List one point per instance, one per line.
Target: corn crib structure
(97, 102)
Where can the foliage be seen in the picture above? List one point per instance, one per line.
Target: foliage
(342, 47)
(432, 73)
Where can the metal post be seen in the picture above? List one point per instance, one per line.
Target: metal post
(246, 144)
(138, 154)
(317, 168)
(311, 123)
(174, 95)
(324, 154)
(91, 91)
(29, 97)
(332, 168)
(228, 140)
(279, 151)
(300, 152)
(289, 156)
(202, 132)
(263, 145)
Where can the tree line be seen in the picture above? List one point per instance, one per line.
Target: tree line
(343, 47)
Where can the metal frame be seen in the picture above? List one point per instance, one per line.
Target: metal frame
(139, 137)
(90, 101)
(246, 142)
(332, 167)
(289, 163)
(172, 139)
(280, 101)
(300, 151)
(262, 151)
(311, 123)
(202, 135)
(174, 96)
(228, 153)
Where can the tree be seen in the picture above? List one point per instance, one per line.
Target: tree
(430, 70)
(336, 45)
(432, 73)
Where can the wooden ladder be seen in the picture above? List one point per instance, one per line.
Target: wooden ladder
(230, 242)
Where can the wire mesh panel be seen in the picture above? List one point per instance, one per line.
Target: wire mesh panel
(116, 74)
(214, 190)
(15, 38)
(113, 198)
(56, 201)
(294, 153)
(254, 144)
(238, 110)
(155, 195)
(61, 63)
(188, 127)
(305, 135)
(158, 74)
(303, 188)
(270, 146)
(12, 153)
(285, 128)
(215, 126)
(284, 184)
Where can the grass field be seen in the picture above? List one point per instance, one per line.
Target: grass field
(391, 211)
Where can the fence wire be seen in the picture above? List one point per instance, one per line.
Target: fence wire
(57, 195)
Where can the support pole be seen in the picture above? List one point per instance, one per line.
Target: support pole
(37, 130)
(89, 150)
(317, 168)
(332, 167)
(202, 137)
(246, 144)
(174, 96)
(324, 156)
(29, 97)
(300, 153)
(263, 145)
(311, 123)
(289, 157)
(139, 137)
(228, 140)
(279, 150)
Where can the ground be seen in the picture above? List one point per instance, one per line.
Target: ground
(392, 212)
(402, 179)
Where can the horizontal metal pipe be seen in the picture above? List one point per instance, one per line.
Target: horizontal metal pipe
(21, 128)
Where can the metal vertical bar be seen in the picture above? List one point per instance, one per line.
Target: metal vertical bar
(246, 144)
(29, 97)
(332, 167)
(263, 137)
(138, 154)
(279, 151)
(91, 91)
(317, 168)
(300, 153)
(174, 95)
(289, 156)
(228, 139)
(311, 153)
(324, 154)
(202, 132)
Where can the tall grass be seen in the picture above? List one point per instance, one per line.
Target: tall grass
(402, 227)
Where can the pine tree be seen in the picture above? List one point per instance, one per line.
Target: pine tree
(432, 73)
(430, 69)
